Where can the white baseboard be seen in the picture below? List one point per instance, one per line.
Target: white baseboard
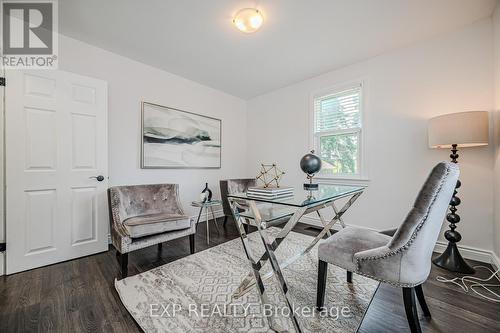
(468, 252)
(471, 253)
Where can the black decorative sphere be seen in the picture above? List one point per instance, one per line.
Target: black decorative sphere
(310, 163)
(453, 236)
(453, 218)
(455, 201)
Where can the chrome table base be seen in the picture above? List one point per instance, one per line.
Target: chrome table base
(271, 245)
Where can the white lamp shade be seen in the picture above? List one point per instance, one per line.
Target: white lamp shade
(465, 129)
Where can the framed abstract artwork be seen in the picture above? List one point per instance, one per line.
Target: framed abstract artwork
(176, 139)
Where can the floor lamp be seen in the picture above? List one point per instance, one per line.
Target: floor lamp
(453, 131)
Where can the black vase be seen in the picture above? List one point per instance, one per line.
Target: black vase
(207, 190)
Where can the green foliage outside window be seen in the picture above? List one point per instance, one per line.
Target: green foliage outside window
(340, 152)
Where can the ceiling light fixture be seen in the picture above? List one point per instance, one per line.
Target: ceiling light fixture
(248, 20)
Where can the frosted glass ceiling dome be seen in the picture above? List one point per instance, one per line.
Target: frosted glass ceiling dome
(248, 20)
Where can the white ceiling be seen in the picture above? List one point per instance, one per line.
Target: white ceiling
(299, 39)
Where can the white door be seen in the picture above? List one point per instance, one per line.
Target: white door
(56, 141)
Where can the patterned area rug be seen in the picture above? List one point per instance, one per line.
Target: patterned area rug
(193, 294)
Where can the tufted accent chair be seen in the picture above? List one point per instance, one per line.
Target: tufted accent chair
(403, 259)
(146, 215)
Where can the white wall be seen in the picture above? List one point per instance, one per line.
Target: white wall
(129, 82)
(496, 204)
(403, 90)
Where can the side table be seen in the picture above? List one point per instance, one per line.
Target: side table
(207, 206)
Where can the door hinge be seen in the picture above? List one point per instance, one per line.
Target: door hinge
(3, 247)
(2, 81)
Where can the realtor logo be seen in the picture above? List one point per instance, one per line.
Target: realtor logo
(29, 34)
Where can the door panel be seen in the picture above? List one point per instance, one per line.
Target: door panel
(35, 85)
(41, 139)
(40, 219)
(56, 141)
(84, 141)
(83, 94)
(83, 215)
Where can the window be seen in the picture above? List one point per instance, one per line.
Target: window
(337, 132)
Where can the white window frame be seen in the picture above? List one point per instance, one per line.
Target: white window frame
(315, 138)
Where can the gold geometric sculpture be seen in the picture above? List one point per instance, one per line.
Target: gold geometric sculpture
(270, 173)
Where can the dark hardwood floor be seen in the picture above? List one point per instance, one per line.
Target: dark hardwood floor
(79, 295)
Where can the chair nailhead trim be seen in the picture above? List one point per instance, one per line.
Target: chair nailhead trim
(404, 247)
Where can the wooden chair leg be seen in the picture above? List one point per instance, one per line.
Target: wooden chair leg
(124, 264)
(322, 274)
(192, 248)
(225, 221)
(349, 277)
(421, 300)
(411, 310)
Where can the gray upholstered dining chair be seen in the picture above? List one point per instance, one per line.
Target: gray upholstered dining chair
(403, 260)
(146, 215)
(231, 186)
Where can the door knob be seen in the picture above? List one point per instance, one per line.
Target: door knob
(99, 178)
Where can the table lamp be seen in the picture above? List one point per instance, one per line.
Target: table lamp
(453, 131)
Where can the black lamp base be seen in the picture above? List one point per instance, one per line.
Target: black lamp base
(452, 260)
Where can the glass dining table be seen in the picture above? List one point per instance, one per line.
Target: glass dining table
(244, 208)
